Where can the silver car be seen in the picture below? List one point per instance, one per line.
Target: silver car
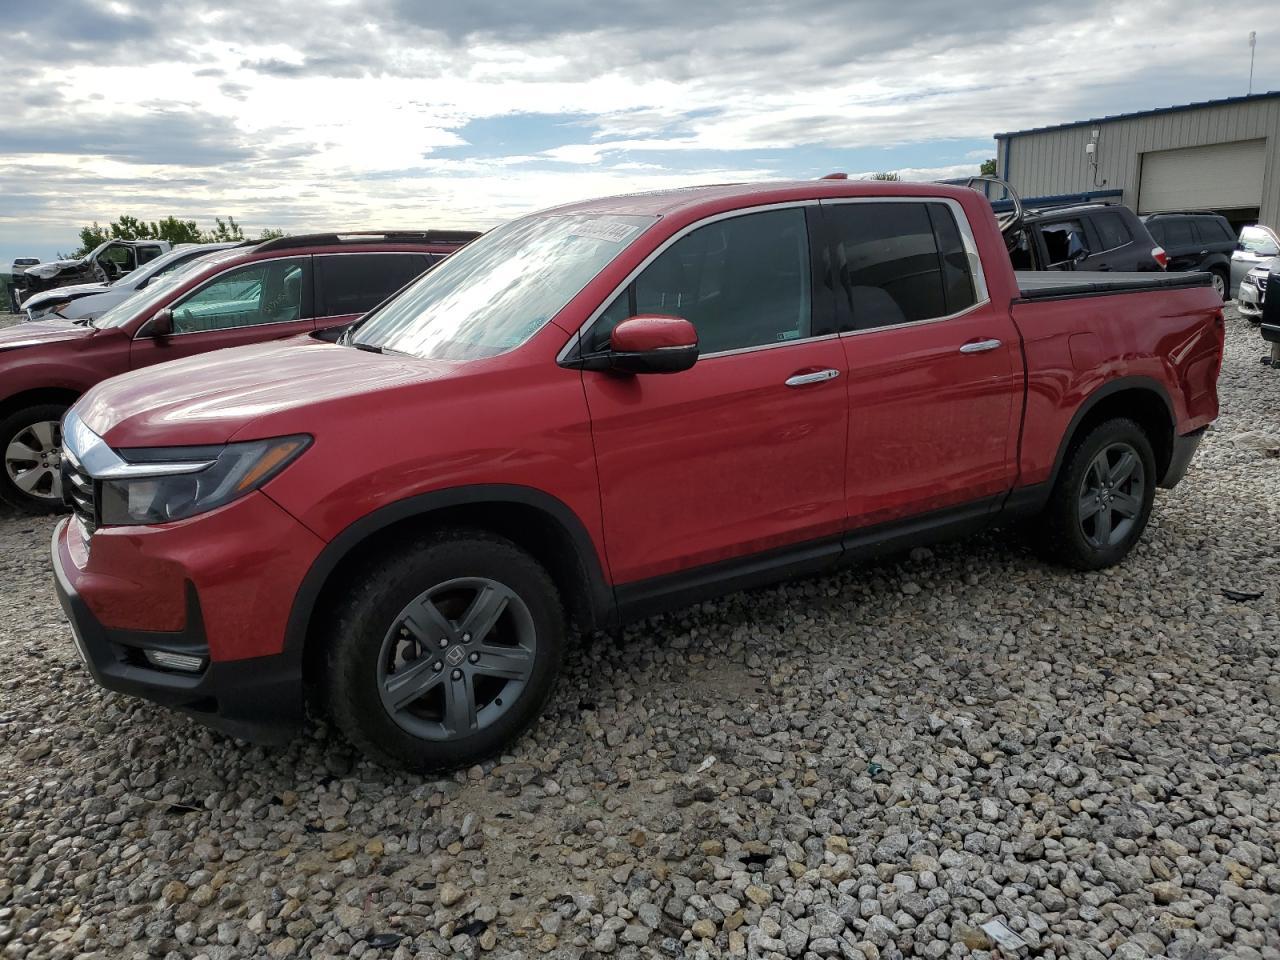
(87, 301)
(1253, 292)
(1258, 245)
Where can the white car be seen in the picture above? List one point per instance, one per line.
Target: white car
(1253, 291)
(1257, 246)
(87, 301)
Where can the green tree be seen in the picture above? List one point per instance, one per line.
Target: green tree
(172, 229)
(988, 168)
(886, 175)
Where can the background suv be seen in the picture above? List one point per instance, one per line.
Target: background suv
(244, 295)
(1200, 242)
(1105, 237)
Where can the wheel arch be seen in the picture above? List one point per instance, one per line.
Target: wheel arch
(535, 521)
(1141, 399)
(29, 398)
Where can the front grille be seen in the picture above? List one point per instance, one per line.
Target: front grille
(1261, 281)
(78, 491)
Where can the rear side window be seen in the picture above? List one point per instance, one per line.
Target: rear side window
(1177, 233)
(1212, 230)
(900, 262)
(1112, 230)
(354, 283)
(742, 282)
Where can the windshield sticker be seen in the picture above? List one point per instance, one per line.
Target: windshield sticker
(604, 230)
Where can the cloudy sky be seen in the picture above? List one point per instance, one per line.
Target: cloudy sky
(372, 113)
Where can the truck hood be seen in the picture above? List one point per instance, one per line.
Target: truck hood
(52, 268)
(40, 332)
(241, 393)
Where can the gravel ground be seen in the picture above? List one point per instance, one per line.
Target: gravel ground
(871, 764)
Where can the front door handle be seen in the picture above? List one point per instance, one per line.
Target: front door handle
(980, 346)
(818, 376)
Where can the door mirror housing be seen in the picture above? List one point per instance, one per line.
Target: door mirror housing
(161, 323)
(647, 344)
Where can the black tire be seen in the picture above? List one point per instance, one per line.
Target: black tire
(1064, 534)
(370, 617)
(12, 428)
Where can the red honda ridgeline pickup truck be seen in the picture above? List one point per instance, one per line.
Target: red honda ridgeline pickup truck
(596, 412)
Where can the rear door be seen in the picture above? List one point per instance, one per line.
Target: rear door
(1180, 243)
(348, 285)
(744, 453)
(935, 371)
(251, 303)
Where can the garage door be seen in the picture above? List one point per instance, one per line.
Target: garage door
(1217, 177)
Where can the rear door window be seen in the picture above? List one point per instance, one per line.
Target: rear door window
(1178, 234)
(900, 262)
(354, 283)
(1112, 230)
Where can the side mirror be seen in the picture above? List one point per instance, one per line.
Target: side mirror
(1076, 250)
(648, 344)
(161, 323)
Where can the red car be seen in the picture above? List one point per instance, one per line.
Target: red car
(246, 294)
(594, 413)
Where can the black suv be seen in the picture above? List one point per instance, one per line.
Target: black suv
(1096, 236)
(1200, 242)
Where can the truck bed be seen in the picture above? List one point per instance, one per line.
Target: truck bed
(1054, 285)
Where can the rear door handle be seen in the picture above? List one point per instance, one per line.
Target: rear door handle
(980, 346)
(818, 376)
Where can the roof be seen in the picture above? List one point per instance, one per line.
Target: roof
(660, 203)
(1229, 101)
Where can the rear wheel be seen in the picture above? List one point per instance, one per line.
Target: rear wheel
(1103, 498)
(445, 653)
(1220, 284)
(31, 455)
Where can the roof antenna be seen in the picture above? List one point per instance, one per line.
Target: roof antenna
(835, 176)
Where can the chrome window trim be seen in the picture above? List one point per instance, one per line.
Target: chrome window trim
(576, 336)
(194, 290)
(917, 323)
(88, 451)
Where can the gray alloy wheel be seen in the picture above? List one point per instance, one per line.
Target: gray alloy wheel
(33, 460)
(456, 658)
(1219, 284)
(1111, 495)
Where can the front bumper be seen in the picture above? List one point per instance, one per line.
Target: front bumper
(255, 697)
(1249, 300)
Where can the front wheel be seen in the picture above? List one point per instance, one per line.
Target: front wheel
(1102, 500)
(31, 449)
(445, 652)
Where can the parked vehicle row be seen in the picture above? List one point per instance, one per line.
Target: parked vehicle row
(585, 416)
(1258, 246)
(87, 301)
(244, 294)
(1090, 237)
(108, 261)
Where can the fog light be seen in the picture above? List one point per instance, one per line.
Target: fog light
(174, 661)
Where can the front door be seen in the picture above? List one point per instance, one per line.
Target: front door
(266, 300)
(935, 369)
(743, 453)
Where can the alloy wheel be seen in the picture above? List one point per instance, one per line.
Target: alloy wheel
(33, 460)
(456, 658)
(1111, 495)
(1219, 285)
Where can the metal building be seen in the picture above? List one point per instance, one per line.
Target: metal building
(1219, 155)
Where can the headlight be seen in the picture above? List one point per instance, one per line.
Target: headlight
(231, 472)
(48, 310)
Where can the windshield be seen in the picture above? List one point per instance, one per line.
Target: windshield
(1257, 240)
(138, 303)
(498, 291)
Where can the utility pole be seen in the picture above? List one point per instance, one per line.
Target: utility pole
(1253, 42)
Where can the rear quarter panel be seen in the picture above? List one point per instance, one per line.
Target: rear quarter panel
(1075, 346)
